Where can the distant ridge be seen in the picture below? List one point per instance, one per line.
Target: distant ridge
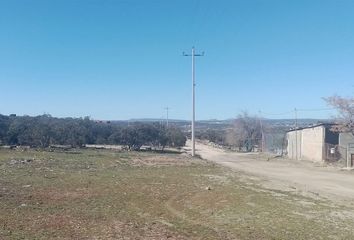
(215, 123)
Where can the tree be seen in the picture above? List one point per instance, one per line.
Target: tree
(175, 137)
(4, 128)
(212, 135)
(137, 135)
(44, 130)
(246, 132)
(345, 108)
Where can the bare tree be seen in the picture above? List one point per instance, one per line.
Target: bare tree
(345, 108)
(246, 132)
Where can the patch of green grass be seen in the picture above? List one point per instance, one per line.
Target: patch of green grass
(101, 194)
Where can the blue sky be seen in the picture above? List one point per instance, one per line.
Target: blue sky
(123, 59)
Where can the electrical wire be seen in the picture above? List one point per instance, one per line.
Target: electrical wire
(298, 110)
(315, 109)
(277, 114)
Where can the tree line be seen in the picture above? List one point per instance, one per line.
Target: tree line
(45, 130)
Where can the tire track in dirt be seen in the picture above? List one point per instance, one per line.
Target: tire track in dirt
(184, 217)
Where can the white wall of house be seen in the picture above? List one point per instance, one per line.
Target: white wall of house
(306, 144)
(294, 144)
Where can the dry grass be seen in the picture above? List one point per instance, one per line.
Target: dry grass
(89, 194)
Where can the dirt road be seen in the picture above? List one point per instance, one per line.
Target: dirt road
(306, 178)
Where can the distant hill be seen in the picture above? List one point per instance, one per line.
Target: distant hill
(222, 124)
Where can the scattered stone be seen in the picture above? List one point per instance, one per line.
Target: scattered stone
(208, 188)
(23, 205)
(164, 222)
(26, 186)
(26, 161)
(13, 162)
(22, 161)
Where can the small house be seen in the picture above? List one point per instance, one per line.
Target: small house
(318, 143)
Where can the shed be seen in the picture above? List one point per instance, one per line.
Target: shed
(315, 143)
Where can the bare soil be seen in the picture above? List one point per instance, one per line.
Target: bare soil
(318, 180)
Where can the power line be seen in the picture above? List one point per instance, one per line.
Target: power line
(277, 114)
(299, 110)
(315, 109)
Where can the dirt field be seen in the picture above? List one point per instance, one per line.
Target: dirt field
(106, 194)
(311, 179)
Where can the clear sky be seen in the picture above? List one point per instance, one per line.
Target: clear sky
(122, 59)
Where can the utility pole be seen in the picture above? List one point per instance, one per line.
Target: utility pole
(296, 157)
(193, 55)
(167, 108)
(262, 133)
